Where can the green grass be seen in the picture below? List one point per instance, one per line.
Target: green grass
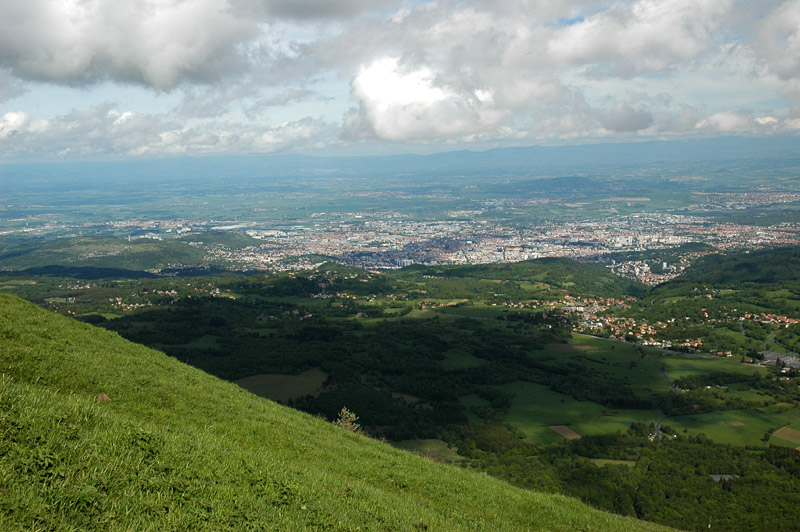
(285, 387)
(479, 310)
(600, 462)
(459, 359)
(535, 407)
(414, 314)
(613, 361)
(745, 393)
(787, 418)
(473, 401)
(432, 448)
(737, 427)
(176, 449)
(208, 341)
(14, 284)
(107, 252)
(678, 366)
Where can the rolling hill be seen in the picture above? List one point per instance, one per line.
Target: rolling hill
(102, 251)
(97, 433)
(759, 267)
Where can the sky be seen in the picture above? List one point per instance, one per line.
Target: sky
(83, 79)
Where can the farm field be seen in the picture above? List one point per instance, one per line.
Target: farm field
(787, 434)
(600, 462)
(536, 407)
(610, 360)
(565, 431)
(460, 359)
(284, 387)
(678, 366)
(738, 427)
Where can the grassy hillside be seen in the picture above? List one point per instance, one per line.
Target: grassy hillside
(760, 267)
(176, 449)
(724, 301)
(102, 252)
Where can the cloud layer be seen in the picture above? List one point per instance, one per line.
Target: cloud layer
(267, 75)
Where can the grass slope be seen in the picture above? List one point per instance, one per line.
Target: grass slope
(177, 449)
(762, 267)
(103, 252)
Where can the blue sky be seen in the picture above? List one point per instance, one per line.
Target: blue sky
(152, 78)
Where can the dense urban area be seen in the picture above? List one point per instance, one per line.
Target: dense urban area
(389, 239)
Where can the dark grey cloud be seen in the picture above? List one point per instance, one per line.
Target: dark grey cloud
(153, 43)
(622, 117)
(778, 42)
(10, 87)
(309, 9)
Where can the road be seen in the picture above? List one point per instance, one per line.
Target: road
(664, 373)
(658, 434)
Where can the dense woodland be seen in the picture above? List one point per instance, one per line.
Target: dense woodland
(667, 482)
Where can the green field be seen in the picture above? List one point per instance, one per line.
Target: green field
(107, 252)
(605, 461)
(678, 366)
(207, 341)
(284, 387)
(535, 407)
(430, 448)
(459, 359)
(746, 393)
(737, 427)
(616, 361)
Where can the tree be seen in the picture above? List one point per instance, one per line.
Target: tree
(348, 420)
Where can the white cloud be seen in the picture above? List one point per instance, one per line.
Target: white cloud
(289, 135)
(643, 36)
(684, 119)
(213, 101)
(725, 122)
(14, 125)
(400, 103)
(286, 97)
(104, 130)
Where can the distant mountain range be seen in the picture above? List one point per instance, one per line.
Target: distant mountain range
(779, 150)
